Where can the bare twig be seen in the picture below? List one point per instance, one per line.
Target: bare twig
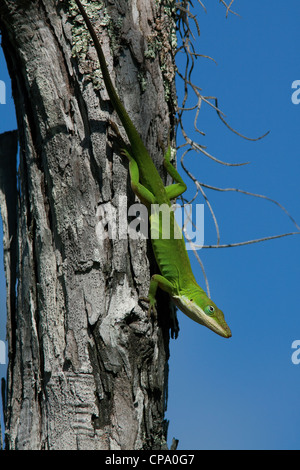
(233, 130)
(228, 8)
(249, 242)
(248, 193)
(195, 146)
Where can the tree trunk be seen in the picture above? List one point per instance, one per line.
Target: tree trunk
(87, 368)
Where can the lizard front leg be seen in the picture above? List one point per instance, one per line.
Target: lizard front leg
(156, 281)
(173, 190)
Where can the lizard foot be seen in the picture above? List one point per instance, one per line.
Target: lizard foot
(152, 306)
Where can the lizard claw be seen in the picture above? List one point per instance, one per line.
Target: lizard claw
(152, 306)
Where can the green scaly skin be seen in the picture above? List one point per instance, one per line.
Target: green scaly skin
(176, 276)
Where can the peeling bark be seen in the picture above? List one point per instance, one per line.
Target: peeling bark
(87, 369)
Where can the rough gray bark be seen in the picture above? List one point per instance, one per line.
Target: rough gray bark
(87, 369)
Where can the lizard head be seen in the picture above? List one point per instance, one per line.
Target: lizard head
(200, 308)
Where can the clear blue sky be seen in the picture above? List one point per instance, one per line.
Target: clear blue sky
(241, 393)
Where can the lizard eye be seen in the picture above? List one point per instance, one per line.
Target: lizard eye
(209, 310)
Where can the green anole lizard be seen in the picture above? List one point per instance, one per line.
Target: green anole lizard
(171, 255)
